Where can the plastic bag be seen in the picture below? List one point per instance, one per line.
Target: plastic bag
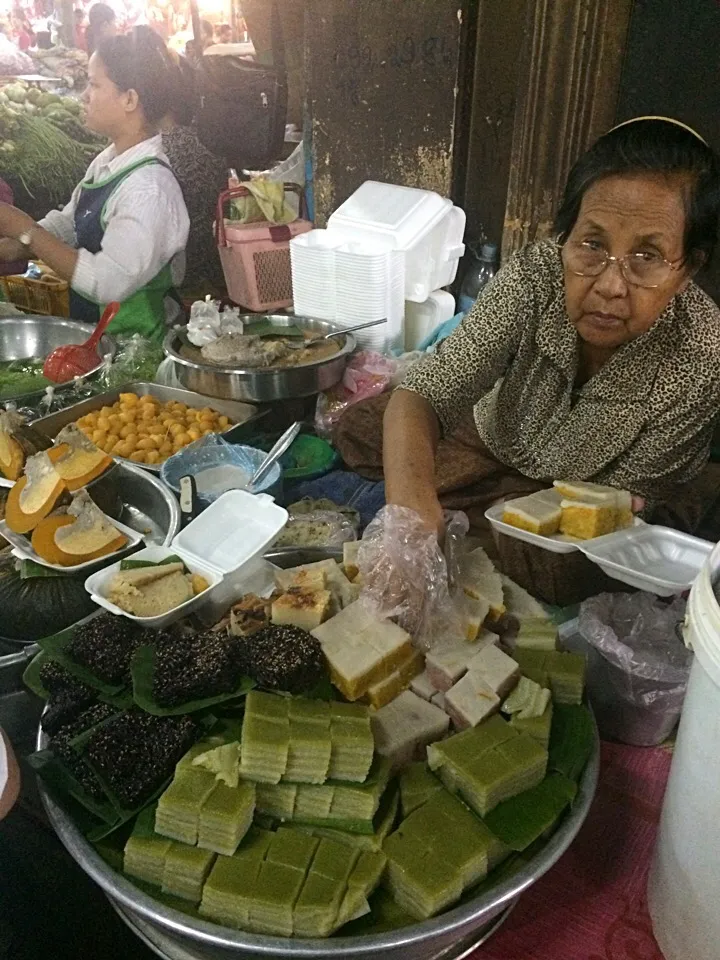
(319, 528)
(367, 375)
(137, 359)
(208, 322)
(638, 667)
(404, 574)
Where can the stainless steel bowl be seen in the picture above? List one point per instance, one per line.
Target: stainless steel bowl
(430, 940)
(449, 936)
(263, 386)
(23, 338)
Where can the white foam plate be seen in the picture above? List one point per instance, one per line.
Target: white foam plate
(654, 558)
(6, 483)
(559, 543)
(24, 551)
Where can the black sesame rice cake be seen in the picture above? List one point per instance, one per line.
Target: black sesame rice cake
(196, 667)
(105, 646)
(284, 658)
(135, 753)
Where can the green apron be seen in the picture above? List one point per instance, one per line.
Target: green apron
(144, 311)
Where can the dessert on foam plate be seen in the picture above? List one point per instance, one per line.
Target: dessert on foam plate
(300, 769)
(598, 521)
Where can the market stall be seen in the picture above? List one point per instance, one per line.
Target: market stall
(281, 716)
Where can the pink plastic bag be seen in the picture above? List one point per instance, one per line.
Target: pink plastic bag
(367, 375)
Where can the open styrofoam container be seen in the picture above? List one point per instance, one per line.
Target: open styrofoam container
(221, 543)
(22, 549)
(658, 559)
(653, 558)
(558, 543)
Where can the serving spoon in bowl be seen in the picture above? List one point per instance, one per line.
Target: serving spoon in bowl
(78, 359)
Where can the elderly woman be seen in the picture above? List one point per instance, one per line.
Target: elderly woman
(590, 357)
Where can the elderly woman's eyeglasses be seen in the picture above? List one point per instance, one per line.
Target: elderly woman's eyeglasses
(587, 259)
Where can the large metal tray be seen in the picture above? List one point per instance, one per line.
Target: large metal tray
(241, 413)
(258, 385)
(181, 935)
(420, 941)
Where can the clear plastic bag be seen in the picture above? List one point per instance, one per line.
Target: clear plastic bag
(136, 359)
(319, 528)
(367, 375)
(406, 576)
(208, 322)
(638, 666)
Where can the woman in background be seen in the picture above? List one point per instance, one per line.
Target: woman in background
(201, 176)
(101, 24)
(122, 236)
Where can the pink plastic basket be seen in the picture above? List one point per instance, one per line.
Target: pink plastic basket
(255, 257)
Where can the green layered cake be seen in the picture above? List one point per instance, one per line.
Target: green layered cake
(225, 817)
(488, 763)
(562, 673)
(437, 852)
(537, 634)
(290, 883)
(353, 744)
(350, 805)
(265, 740)
(145, 853)
(417, 785)
(186, 869)
(304, 741)
(536, 727)
(178, 809)
(383, 824)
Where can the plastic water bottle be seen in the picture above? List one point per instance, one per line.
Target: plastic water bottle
(483, 269)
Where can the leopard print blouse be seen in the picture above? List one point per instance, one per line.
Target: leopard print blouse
(644, 422)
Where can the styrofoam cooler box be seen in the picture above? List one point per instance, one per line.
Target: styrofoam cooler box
(428, 228)
(422, 318)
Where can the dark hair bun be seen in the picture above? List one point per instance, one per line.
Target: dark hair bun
(140, 61)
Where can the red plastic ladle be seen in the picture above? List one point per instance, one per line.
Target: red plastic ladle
(78, 359)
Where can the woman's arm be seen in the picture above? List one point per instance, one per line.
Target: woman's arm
(57, 254)
(411, 431)
(445, 386)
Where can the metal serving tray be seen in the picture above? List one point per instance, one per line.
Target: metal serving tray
(241, 413)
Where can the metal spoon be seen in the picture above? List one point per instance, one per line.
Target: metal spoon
(277, 451)
(335, 333)
(352, 329)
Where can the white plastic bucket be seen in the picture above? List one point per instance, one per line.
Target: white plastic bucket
(684, 883)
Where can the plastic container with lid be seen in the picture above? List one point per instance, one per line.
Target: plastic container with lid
(220, 545)
(422, 318)
(684, 883)
(650, 557)
(427, 227)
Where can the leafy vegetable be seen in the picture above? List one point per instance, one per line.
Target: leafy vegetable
(520, 821)
(572, 737)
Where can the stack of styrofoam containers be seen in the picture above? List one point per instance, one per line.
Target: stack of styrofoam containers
(384, 245)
